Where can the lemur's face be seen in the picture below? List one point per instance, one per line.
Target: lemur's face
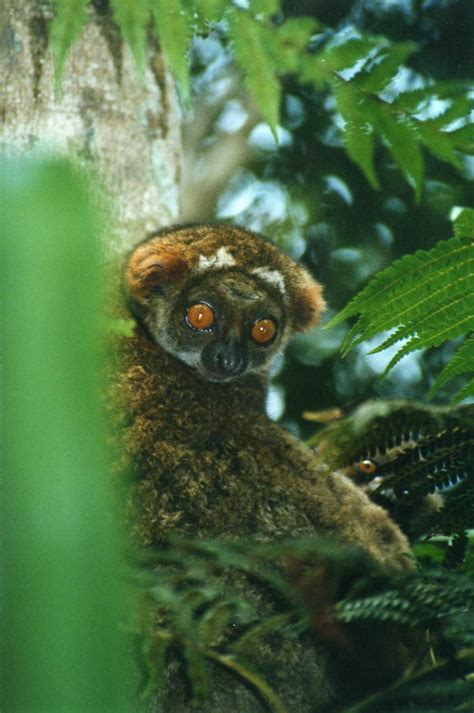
(224, 324)
(221, 299)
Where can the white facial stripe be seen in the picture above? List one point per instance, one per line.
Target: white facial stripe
(222, 258)
(274, 277)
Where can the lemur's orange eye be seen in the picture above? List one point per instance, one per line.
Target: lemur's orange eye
(200, 316)
(263, 331)
(366, 466)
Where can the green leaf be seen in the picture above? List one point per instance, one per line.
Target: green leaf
(401, 138)
(461, 363)
(174, 29)
(213, 623)
(365, 117)
(430, 551)
(264, 7)
(464, 224)
(448, 322)
(298, 30)
(131, 16)
(61, 552)
(386, 285)
(210, 11)
(441, 143)
(288, 42)
(69, 18)
(250, 44)
(153, 662)
(465, 393)
(459, 107)
(381, 70)
(357, 132)
(427, 297)
(352, 53)
(416, 100)
(463, 138)
(196, 670)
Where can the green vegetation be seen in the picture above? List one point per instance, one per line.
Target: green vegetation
(360, 69)
(318, 587)
(64, 597)
(427, 298)
(391, 135)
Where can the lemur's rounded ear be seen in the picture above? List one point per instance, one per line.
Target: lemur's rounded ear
(154, 265)
(308, 304)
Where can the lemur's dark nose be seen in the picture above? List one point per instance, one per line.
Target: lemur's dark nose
(228, 358)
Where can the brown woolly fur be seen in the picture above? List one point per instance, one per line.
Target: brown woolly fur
(309, 305)
(151, 264)
(206, 461)
(168, 253)
(211, 463)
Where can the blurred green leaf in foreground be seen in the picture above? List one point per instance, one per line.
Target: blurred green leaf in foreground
(62, 597)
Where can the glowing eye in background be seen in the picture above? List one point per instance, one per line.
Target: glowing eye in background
(366, 466)
(263, 331)
(200, 316)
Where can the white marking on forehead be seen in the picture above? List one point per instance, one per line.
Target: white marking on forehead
(222, 258)
(274, 277)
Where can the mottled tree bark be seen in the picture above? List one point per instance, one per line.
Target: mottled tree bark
(129, 130)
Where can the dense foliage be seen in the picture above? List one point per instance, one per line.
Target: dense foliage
(196, 609)
(362, 70)
(374, 137)
(426, 298)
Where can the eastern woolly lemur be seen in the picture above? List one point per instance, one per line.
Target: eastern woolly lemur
(413, 459)
(214, 305)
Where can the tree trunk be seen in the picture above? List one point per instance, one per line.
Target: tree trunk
(128, 130)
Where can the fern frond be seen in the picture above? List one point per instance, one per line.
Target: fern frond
(69, 19)
(205, 578)
(452, 319)
(465, 393)
(427, 298)
(380, 427)
(436, 464)
(131, 17)
(419, 601)
(383, 292)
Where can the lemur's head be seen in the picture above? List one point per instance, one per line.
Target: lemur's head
(221, 299)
